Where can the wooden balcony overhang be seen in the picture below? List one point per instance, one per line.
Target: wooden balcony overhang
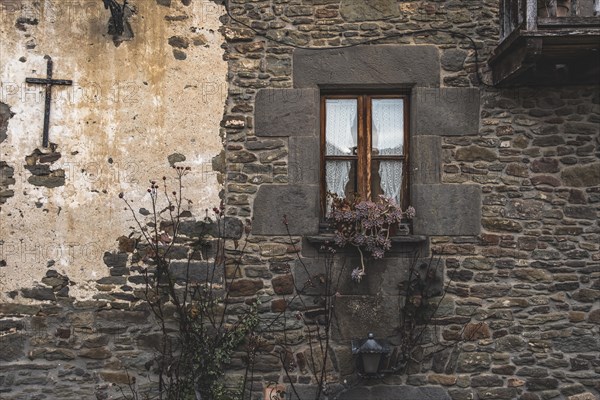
(548, 56)
(539, 47)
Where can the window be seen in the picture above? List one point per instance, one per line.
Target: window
(364, 147)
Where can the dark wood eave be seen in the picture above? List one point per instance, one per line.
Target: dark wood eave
(526, 56)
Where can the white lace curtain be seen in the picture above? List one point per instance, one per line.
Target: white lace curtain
(388, 139)
(341, 128)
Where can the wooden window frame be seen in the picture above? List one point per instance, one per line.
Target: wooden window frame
(364, 156)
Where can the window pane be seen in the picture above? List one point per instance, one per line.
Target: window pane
(386, 179)
(340, 126)
(388, 126)
(341, 177)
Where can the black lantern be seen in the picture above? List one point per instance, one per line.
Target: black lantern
(370, 354)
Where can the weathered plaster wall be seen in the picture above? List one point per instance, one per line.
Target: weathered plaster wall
(129, 108)
(71, 324)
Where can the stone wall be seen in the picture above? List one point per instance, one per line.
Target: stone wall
(6, 172)
(533, 272)
(505, 183)
(56, 346)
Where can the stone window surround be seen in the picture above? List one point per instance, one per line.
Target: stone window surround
(435, 112)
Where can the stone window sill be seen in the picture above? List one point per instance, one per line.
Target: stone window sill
(401, 239)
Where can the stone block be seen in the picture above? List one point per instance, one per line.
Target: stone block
(395, 392)
(453, 59)
(355, 11)
(283, 284)
(98, 353)
(577, 344)
(238, 34)
(118, 377)
(196, 271)
(486, 381)
(461, 394)
(545, 165)
(277, 322)
(5, 115)
(12, 346)
(474, 362)
(475, 153)
(581, 175)
(368, 66)
(356, 393)
(245, 287)
(501, 225)
(310, 276)
(523, 209)
(225, 228)
(59, 354)
(304, 392)
(13, 325)
(382, 276)
(287, 112)
(304, 160)
(497, 393)
(123, 318)
(299, 203)
(452, 210)
(580, 212)
(115, 260)
(583, 396)
(534, 384)
(356, 316)
(425, 167)
(445, 111)
(38, 293)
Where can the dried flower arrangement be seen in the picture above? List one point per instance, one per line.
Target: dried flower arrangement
(366, 225)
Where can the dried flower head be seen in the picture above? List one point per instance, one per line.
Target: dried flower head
(366, 225)
(357, 274)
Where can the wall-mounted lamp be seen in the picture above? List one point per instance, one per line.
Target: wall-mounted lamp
(370, 355)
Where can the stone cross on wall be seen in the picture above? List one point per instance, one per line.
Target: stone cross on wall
(49, 82)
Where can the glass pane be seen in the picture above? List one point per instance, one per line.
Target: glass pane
(388, 126)
(340, 126)
(386, 179)
(341, 177)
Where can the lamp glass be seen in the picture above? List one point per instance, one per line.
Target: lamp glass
(371, 362)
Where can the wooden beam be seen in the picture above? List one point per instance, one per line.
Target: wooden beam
(569, 22)
(531, 15)
(518, 59)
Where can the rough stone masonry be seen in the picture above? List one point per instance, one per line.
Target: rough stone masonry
(506, 183)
